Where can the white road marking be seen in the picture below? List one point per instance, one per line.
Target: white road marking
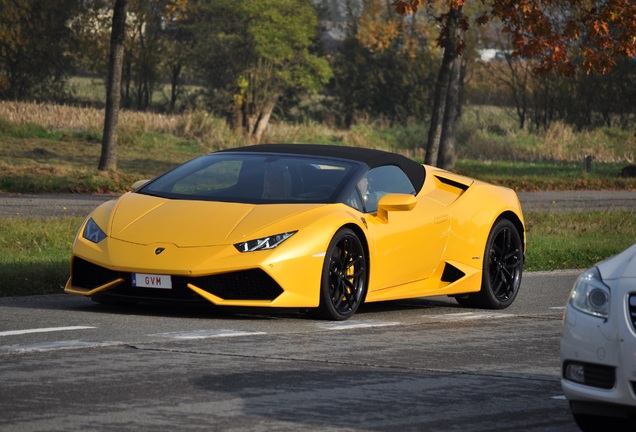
(466, 316)
(43, 330)
(558, 307)
(346, 325)
(54, 346)
(204, 334)
(558, 397)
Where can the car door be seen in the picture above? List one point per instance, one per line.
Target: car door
(405, 246)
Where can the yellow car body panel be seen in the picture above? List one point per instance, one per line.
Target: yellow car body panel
(453, 224)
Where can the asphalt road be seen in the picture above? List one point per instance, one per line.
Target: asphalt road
(81, 205)
(67, 364)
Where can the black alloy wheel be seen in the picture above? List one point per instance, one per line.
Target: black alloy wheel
(344, 277)
(502, 268)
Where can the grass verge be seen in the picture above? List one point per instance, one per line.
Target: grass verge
(55, 149)
(551, 175)
(36, 252)
(576, 240)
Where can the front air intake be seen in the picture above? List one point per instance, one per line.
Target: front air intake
(89, 276)
(252, 284)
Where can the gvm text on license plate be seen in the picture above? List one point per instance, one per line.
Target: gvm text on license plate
(151, 281)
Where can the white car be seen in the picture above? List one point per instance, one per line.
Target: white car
(598, 345)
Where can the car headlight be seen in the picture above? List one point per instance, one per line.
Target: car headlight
(93, 232)
(264, 243)
(590, 295)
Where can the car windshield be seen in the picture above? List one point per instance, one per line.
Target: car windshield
(255, 178)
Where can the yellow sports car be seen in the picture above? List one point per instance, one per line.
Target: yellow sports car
(315, 227)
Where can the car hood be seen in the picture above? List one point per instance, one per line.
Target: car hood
(622, 265)
(145, 219)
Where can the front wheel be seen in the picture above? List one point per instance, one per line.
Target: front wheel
(343, 285)
(501, 275)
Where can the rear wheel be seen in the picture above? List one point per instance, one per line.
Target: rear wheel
(344, 277)
(501, 275)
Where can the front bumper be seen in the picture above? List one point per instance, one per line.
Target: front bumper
(283, 277)
(598, 362)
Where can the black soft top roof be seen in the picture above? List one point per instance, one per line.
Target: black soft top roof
(370, 157)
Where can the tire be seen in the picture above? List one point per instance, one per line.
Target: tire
(502, 268)
(343, 285)
(591, 423)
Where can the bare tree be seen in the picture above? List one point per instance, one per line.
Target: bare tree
(108, 159)
(563, 35)
(515, 74)
(440, 146)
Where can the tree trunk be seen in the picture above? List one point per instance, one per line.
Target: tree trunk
(174, 85)
(126, 78)
(263, 120)
(108, 159)
(437, 116)
(446, 155)
(441, 87)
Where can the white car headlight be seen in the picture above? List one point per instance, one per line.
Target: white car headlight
(263, 243)
(93, 232)
(590, 295)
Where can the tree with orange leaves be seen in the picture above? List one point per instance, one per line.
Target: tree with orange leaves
(564, 35)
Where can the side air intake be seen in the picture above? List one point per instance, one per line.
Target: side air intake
(452, 273)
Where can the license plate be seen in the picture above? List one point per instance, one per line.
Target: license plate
(151, 281)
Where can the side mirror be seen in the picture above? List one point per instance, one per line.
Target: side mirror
(395, 202)
(139, 183)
